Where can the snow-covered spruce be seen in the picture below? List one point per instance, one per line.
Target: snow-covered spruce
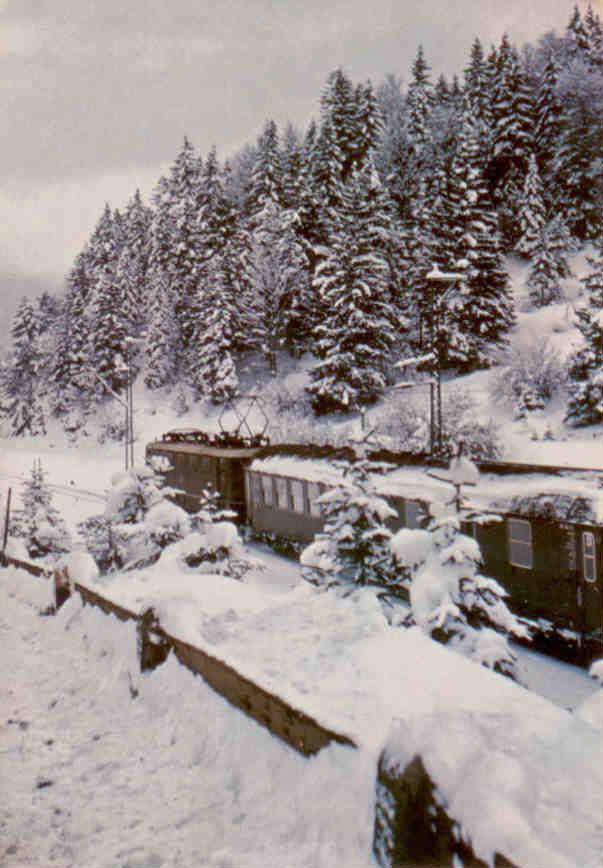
(549, 263)
(585, 406)
(354, 547)
(354, 341)
(38, 523)
(450, 599)
(20, 398)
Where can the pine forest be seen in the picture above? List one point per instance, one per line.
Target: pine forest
(319, 241)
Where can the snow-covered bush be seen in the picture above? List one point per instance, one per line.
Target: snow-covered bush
(181, 403)
(353, 548)
(38, 523)
(287, 396)
(450, 599)
(591, 709)
(534, 376)
(111, 424)
(214, 546)
(138, 522)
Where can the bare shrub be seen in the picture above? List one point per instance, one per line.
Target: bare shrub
(531, 380)
(404, 420)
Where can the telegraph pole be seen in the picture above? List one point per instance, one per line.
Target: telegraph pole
(441, 284)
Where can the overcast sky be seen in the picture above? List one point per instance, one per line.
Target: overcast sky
(96, 95)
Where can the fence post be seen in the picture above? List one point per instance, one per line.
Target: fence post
(153, 648)
(6, 521)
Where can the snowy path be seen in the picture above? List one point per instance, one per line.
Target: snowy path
(94, 778)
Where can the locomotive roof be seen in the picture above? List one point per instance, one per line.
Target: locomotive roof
(203, 449)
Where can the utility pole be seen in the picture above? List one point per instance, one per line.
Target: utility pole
(126, 406)
(441, 284)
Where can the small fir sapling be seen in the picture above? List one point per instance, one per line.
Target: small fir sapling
(38, 523)
(354, 547)
(450, 599)
(214, 546)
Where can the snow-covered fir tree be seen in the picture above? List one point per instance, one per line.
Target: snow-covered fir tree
(160, 346)
(132, 264)
(108, 328)
(577, 41)
(549, 264)
(38, 523)
(477, 90)
(420, 96)
(291, 160)
(160, 354)
(532, 211)
(353, 548)
(180, 199)
(475, 318)
(278, 275)
(20, 398)
(450, 599)
(585, 406)
(594, 30)
(368, 122)
(354, 341)
(212, 362)
(266, 177)
(549, 118)
(576, 165)
(340, 110)
(513, 136)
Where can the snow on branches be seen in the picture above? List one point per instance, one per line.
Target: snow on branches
(450, 599)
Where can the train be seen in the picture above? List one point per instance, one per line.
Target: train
(542, 538)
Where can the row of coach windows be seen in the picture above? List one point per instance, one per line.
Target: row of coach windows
(519, 535)
(299, 495)
(279, 492)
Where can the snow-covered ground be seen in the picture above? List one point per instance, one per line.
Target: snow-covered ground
(175, 776)
(104, 768)
(111, 768)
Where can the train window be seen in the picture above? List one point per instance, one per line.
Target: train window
(267, 490)
(589, 556)
(520, 543)
(413, 514)
(255, 488)
(282, 498)
(314, 491)
(297, 495)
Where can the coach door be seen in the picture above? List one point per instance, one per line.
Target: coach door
(590, 555)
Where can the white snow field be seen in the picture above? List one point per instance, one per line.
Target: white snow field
(101, 767)
(106, 767)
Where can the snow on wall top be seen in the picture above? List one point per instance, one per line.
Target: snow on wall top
(522, 776)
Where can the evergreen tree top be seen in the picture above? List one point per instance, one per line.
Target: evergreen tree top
(420, 70)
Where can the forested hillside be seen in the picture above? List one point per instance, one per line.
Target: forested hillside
(321, 241)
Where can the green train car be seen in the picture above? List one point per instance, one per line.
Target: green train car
(543, 541)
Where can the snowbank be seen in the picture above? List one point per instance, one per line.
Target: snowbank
(104, 767)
